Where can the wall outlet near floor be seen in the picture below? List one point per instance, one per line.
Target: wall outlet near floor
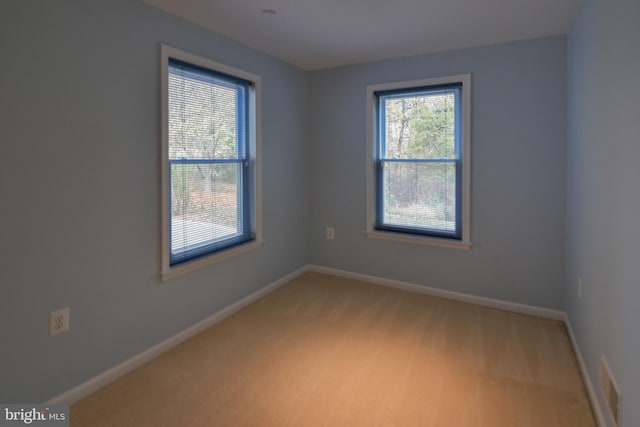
(331, 233)
(579, 287)
(59, 321)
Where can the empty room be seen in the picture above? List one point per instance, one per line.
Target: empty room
(320, 213)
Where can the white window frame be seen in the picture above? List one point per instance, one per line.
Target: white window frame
(168, 271)
(465, 242)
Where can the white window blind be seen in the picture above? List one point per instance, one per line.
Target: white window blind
(208, 161)
(419, 160)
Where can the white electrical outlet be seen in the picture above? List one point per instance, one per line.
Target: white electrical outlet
(331, 233)
(579, 287)
(59, 321)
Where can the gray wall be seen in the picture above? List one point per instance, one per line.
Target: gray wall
(518, 178)
(603, 191)
(80, 189)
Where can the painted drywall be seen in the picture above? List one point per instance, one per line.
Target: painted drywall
(603, 192)
(518, 178)
(80, 189)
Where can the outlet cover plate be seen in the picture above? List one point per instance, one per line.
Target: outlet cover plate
(59, 321)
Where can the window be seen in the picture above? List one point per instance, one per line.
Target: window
(209, 161)
(419, 161)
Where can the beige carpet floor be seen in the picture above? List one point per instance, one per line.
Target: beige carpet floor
(328, 351)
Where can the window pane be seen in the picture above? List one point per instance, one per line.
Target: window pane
(203, 117)
(420, 126)
(420, 195)
(205, 205)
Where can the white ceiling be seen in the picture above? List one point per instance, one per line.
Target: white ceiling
(316, 34)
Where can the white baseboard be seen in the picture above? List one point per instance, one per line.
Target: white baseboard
(101, 380)
(458, 296)
(591, 391)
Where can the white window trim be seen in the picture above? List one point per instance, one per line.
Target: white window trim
(465, 242)
(255, 116)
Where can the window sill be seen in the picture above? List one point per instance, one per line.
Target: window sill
(189, 266)
(419, 240)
